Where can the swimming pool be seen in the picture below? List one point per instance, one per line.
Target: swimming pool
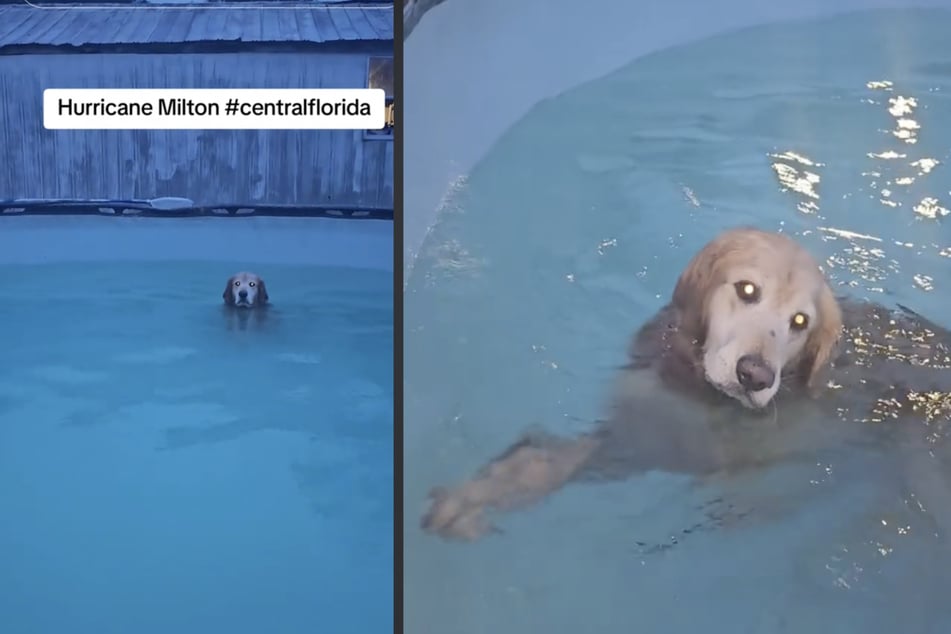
(164, 469)
(571, 232)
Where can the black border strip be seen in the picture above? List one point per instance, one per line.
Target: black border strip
(398, 320)
(144, 209)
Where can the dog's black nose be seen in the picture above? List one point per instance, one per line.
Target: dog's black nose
(243, 294)
(754, 373)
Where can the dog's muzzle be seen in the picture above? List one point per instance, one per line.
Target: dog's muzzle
(754, 373)
(242, 299)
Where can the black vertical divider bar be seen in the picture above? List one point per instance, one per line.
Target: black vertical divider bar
(398, 215)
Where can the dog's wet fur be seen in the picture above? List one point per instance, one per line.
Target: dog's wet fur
(754, 360)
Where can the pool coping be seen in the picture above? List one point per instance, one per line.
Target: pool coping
(175, 207)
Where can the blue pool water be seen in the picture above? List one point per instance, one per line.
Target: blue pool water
(164, 470)
(571, 232)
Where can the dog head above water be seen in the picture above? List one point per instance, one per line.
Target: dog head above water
(245, 290)
(760, 310)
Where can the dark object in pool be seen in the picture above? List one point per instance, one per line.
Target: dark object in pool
(245, 290)
(752, 362)
(246, 301)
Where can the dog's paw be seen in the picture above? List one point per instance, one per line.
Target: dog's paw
(455, 515)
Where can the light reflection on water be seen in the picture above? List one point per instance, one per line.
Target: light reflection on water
(890, 178)
(571, 233)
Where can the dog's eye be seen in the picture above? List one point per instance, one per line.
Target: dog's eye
(250, 283)
(799, 321)
(237, 282)
(747, 291)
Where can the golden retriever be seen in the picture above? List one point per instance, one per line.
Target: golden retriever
(754, 334)
(246, 301)
(245, 290)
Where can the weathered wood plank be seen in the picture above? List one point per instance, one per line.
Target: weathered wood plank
(341, 21)
(271, 25)
(22, 25)
(324, 26)
(208, 166)
(287, 26)
(382, 21)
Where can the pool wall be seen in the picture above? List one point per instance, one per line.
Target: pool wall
(366, 244)
(475, 67)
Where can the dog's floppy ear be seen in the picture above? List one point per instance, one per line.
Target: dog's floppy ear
(824, 339)
(692, 293)
(228, 295)
(262, 291)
